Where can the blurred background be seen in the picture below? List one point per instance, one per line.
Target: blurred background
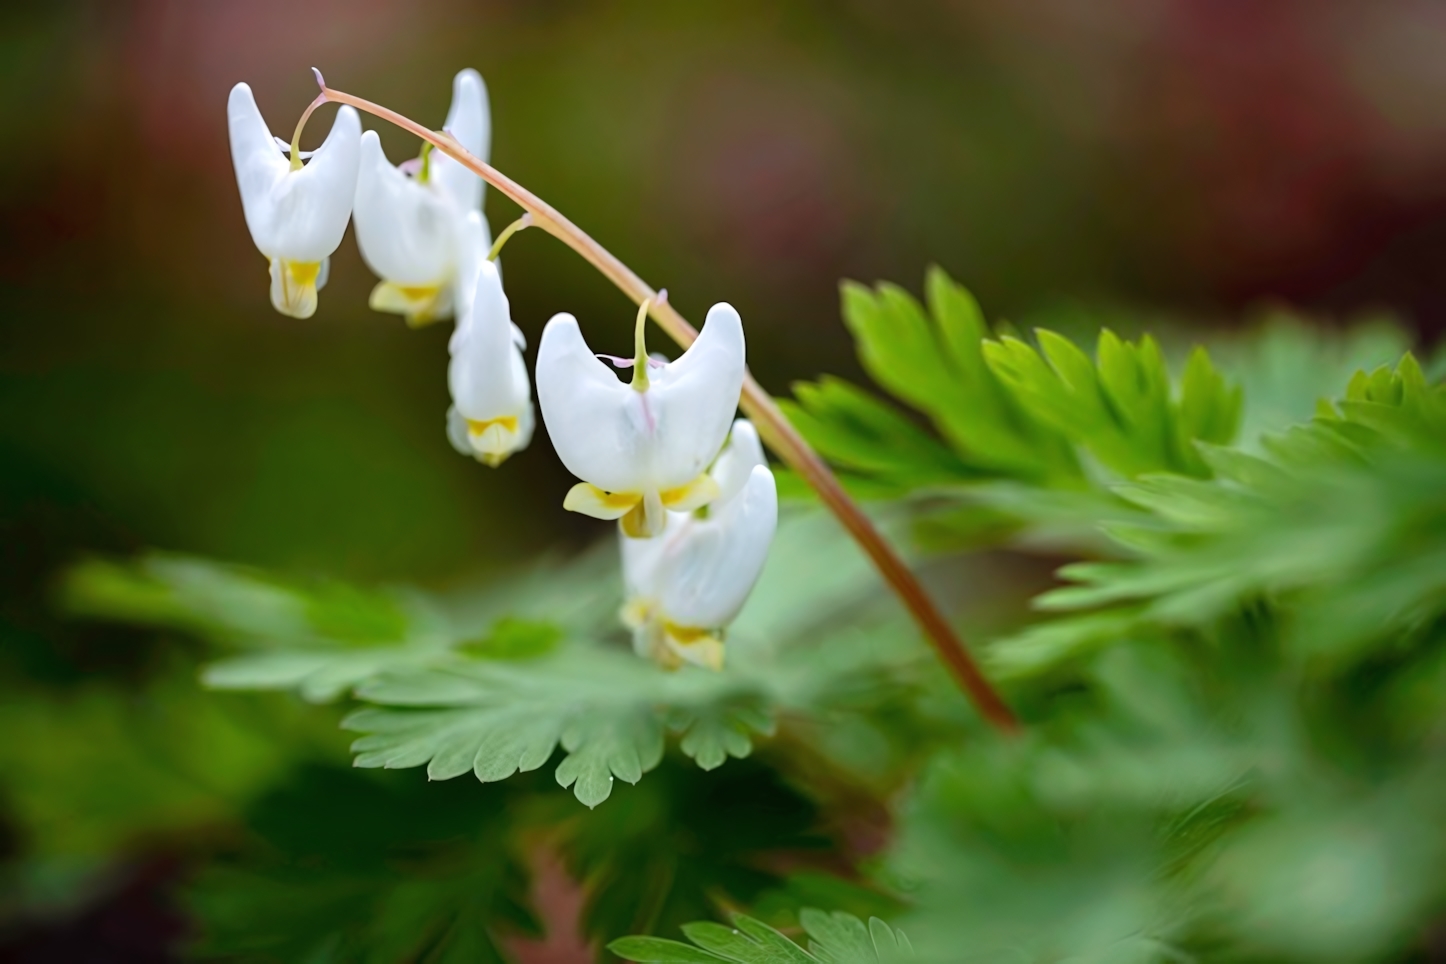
(1191, 160)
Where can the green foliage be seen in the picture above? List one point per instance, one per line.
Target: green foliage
(864, 435)
(90, 772)
(836, 938)
(681, 844)
(1120, 406)
(1286, 364)
(1239, 751)
(323, 638)
(1233, 688)
(367, 866)
(934, 361)
(340, 868)
(1005, 410)
(491, 682)
(1277, 527)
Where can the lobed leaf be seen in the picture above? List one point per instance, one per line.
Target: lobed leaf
(836, 938)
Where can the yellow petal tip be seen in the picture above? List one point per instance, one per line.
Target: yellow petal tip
(587, 499)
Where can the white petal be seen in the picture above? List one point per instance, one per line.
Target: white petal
(706, 575)
(736, 462)
(293, 215)
(408, 232)
(259, 163)
(487, 374)
(471, 123)
(286, 149)
(457, 431)
(641, 558)
(597, 423)
(694, 399)
(623, 440)
(472, 252)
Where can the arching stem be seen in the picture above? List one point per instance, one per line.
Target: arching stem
(773, 426)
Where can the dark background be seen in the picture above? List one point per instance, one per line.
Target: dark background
(1186, 158)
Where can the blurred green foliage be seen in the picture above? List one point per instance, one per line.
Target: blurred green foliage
(1232, 697)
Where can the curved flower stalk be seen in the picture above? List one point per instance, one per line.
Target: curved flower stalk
(412, 219)
(640, 448)
(491, 415)
(296, 213)
(774, 426)
(688, 583)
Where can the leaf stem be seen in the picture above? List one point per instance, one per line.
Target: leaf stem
(773, 426)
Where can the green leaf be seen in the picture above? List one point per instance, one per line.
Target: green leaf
(711, 736)
(101, 767)
(1338, 521)
(836, 938)
(1286, 363)
(840, 938)
(339, 866)
(482, 682)
(1120, 407)
(656, 950)
(495, 719)
(933, 361)
(512, 638)
(323, 638)
(997, 873)
(1045, 646)
(747, 941)
(861, 434)
(600, 747)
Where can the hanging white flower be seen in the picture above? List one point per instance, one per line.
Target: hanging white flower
(296, 212)
(640, 448)
(491, 415)
(687, 584)
(412, 219)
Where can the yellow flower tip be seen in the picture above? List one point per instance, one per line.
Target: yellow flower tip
(646, 519)
(700, 647)
(420, 305)
(589, 500)
(694, 495)
(635, 614)
(293, 287)
(493, 440)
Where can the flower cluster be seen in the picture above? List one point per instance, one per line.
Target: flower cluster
(661, 453)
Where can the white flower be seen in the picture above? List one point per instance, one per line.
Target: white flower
(297, 214)
(491, 415)
(640, 448)
(687, 584)
(412, 219)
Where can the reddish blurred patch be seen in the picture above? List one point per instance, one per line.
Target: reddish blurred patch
(768, 181)
(558, 900)
(133, 921)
